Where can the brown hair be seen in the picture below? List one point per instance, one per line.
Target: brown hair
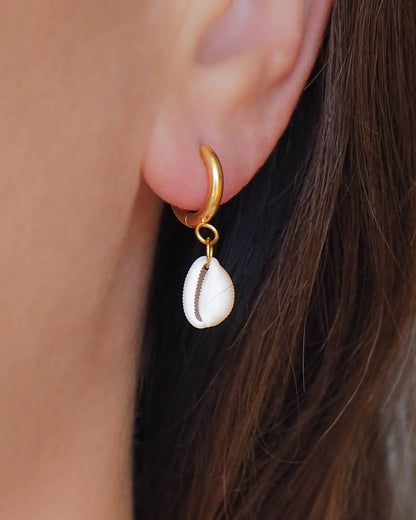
(288, 416)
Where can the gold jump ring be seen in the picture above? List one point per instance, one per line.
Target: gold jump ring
(207, 240)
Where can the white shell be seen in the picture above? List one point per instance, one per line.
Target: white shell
(208, 294)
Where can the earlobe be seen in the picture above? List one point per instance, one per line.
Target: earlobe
(236, 94)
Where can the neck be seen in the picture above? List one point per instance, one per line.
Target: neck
(112, 380)
(76, 462)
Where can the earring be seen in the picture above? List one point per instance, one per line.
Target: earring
(208, 291)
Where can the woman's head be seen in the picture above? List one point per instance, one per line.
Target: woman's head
(276, 414)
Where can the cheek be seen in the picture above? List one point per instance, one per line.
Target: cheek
(73, 113)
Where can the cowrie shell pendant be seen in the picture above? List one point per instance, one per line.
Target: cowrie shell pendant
(208, 293)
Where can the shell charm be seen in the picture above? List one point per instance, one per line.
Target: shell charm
(208, 293)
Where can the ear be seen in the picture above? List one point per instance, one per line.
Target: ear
(235, 80)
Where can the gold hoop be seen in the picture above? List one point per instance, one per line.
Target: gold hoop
(214, 193)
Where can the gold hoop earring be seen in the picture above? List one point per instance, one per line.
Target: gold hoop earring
(208, 291)
(214, 193)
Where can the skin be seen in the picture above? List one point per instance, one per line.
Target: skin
(99, 101)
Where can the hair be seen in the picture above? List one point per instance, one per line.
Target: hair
(296, 407)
